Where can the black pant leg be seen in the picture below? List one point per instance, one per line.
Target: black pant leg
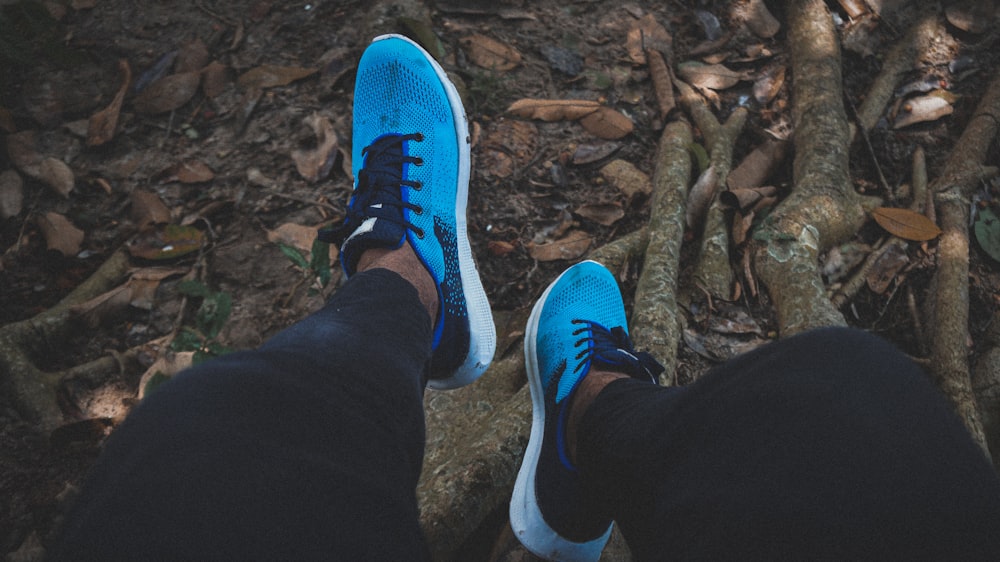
(829, 445)
(307, 448)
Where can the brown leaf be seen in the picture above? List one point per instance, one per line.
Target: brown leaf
(768, 84)
(746, 199)
(885, 269)
(500, 247)
(627, 179)
(758, 166)
(663, 81)
(298, 236)
(973, 16)
(553, 110)
(508, 145)
(11, 194)
(167, 242)
(700, 197)
(570, 247)
(269, 76)
(102, 125)
(104, 306)
(60, 234)
(167, 93)
(23, 152)
(315, 164)
(490, 53)
(57, 175)
(144, 282)
(214, 79)
(922, 109)
(647, 33)
(169, 365)
(712, 76)
(760, 20)
(191, 171)
(148, 209)
(193, 57)
(906, 224)
(607, 123)
(605, 214)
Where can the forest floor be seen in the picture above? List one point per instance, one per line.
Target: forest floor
(210, 141)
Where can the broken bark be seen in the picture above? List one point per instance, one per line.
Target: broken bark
(950, 301)
(655, 318)
(822, 209)
(713, 272)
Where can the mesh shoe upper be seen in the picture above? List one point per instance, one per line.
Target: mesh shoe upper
(411, 167)
(578, 324)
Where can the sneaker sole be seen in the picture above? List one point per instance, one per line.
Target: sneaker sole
(525, 516)
(482, 332)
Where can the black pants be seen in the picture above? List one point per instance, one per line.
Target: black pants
(828, 445)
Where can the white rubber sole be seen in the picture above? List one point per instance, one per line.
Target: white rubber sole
(525, 516)
(482, 332)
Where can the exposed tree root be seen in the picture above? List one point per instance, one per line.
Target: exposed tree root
(655, 319)
(713, 272)
(823, 209)
(21, 342)
(953, 190)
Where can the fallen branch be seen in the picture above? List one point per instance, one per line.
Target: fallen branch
(949, 312)
(822, 210)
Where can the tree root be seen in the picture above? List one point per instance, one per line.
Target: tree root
(35, 390)
(823, 209)
(713, 271)
(950, 301)
(655, 319)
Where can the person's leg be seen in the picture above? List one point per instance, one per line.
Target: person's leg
(828, 445)
(296, 450)
(311, 446)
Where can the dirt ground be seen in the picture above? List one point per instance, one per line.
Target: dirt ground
(222, 164)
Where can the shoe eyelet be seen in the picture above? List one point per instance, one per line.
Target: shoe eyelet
(419, 137)
(418, 161)
(419, 210)
(418, 186)
(420, 234)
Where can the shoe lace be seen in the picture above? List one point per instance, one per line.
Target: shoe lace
(613, 348)
(380, 180)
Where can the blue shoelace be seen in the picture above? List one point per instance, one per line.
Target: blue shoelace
(613, 348)
(380, 182)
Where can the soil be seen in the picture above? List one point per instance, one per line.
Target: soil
(529, 186)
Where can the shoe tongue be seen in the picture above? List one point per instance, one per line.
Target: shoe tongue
(373, 232)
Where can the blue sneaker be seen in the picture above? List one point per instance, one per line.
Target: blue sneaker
(578, 323)
(411, 167)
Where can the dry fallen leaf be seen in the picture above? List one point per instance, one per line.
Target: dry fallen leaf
(60, 234)
(922, 109)
(300, 237)
(490, 53)
(711, 76)
(102, 125)
(647, 33)
(214, 79)
(906, 224)
(663, 81)
(269, 76)
(145, 281)
(607, 123)
(167, 366)
(760, 20)
(166, 242)
(167, 93)
(758, 166)
(148, 209)
(104, 306)
(605, 214)
(768, 84)
(193, 57)
(11, 194)
(627, 179)
(574, 244)
(315, 164)
(885, 268)
(23, 153)
(191, 171)
(973, 16)
(508, 145)
(700, 196)
(553, 110)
